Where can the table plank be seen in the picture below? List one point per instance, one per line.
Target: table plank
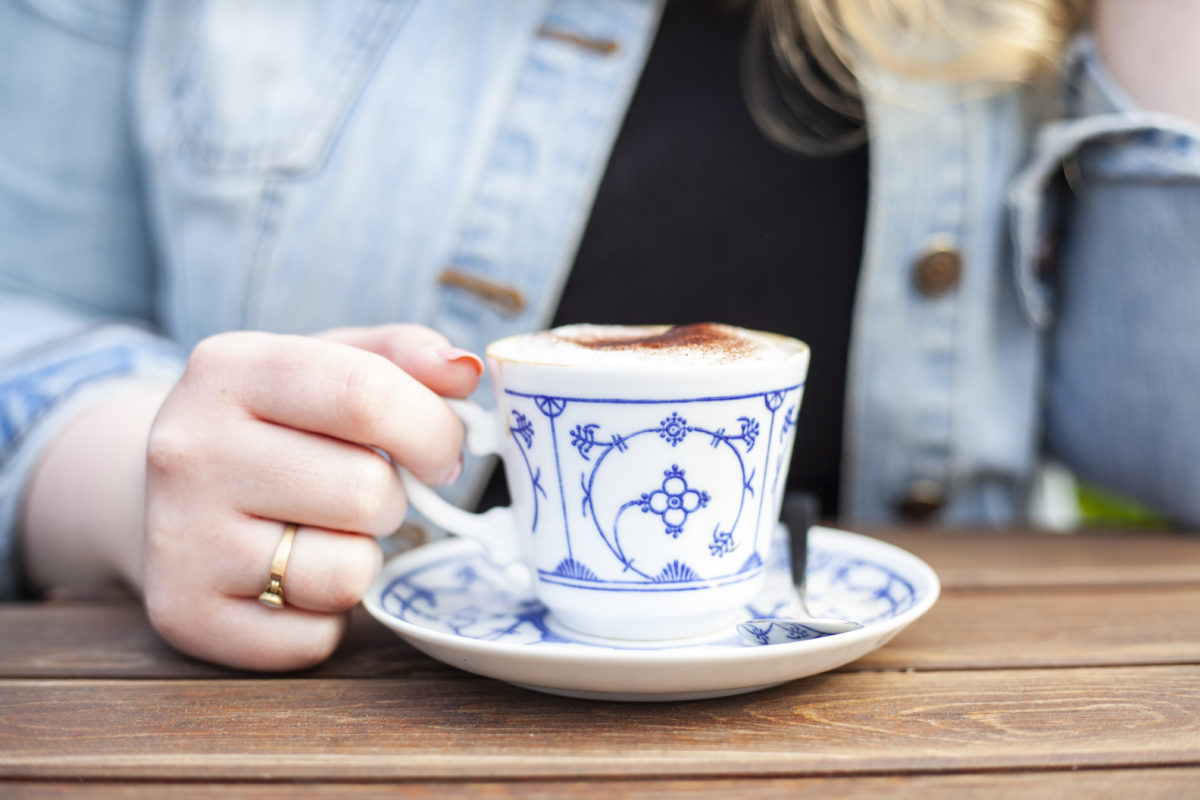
(1172, 783)
(993, 629)
(115, 639)
(966, 558)
(409, 729)
(965, 630)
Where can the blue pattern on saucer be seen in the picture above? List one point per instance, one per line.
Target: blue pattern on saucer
(465, 594)
(781, 631)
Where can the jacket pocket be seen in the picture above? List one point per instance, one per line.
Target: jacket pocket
(254, 86)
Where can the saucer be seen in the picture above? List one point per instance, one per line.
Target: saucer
(451, 601)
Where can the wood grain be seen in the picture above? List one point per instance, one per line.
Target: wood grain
(1053, 666)
(991, 558)
(974, 629)
(993, 629)
(413, 729)
(114, 639)
(1172, 783)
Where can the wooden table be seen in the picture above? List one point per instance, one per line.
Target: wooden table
(1051, 666)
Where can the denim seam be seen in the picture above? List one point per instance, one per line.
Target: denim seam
(332, 96)
(1025, 193)
(90, 23)
(267, 226)
(474, 242)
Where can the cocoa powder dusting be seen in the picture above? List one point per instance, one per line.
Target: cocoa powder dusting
(698, 336)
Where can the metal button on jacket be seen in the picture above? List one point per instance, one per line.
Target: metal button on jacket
(938, 270)
(923, 499)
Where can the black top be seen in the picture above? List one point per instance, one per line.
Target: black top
(700, 218)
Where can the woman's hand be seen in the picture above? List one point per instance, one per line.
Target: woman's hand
(265, 429)
(261, 430)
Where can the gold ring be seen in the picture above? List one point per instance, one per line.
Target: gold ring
(273, 595)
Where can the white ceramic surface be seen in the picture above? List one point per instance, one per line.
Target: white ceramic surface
(449, 600)
(643, 492)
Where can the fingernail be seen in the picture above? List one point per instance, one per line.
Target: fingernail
(452, 476)
(457, 355)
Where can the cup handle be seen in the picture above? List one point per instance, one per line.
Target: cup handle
(494, 528)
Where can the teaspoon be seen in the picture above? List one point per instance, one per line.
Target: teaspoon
(799, 514)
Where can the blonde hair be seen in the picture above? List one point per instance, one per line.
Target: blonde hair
(987, 41)
(803, 57)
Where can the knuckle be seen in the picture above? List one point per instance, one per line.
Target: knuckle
(351, 576)
(170, 449)
(159, 543)
(452, 440)
(443, 447)
(369, 485)
(401, 337)
(413, 331)
(212, 356)
(360, 401)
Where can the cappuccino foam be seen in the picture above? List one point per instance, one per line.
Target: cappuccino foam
(706, 343)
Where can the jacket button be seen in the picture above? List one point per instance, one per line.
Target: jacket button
(922, 500)
(938, 270)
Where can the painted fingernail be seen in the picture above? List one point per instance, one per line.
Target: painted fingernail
(457, 355)
(452, 476)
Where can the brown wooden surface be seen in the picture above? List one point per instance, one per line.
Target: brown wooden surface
(974, 559)
(965, 630)
(1052, 666)
(414, 728)
(1127, 784)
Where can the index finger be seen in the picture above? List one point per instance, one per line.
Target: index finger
(336, 390)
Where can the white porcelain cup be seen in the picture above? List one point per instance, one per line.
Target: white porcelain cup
(646, 466)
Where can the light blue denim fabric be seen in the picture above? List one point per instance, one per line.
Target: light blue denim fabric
(76, 276)
(202, 166)
(941, 389)
(291, 166)
(1124, 369)
(1092, 362)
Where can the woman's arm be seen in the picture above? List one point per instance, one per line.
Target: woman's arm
(85, 504)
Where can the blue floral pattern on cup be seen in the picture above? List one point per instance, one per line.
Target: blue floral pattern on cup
(674, 500)
(575, 451)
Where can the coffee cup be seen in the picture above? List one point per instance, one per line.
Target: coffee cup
(646, 466)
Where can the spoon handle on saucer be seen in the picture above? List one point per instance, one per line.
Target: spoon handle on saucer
(800, 512)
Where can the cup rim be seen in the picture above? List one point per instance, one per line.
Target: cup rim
(800, 351)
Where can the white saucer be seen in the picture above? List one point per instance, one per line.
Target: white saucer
(449, 600)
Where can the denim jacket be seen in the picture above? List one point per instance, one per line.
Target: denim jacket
(173, 169)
